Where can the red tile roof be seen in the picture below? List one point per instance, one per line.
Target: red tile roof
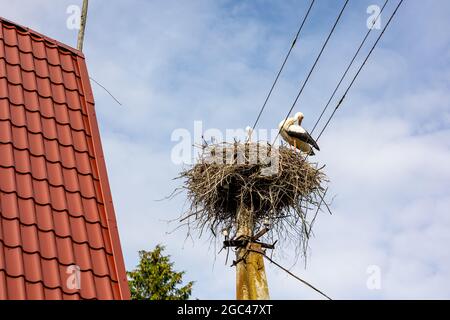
(55, 202)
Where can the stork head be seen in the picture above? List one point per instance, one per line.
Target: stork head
(299, 117)
(287, 123)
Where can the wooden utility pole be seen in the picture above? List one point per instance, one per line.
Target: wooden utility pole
(251, 280)
(82, 25)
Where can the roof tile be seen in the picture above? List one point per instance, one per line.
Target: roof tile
(70, 177)
(22, 161)
(30, 238)
(58, 92)
(3, 66)
(46, 107)
(55, 175)
(58, 198)
(12, 55)
(29, 81)
(16, 288)
(73, 100)
(78, 230)
(4, 109)
(104, 290)
(9, 206)
(36, 145)
(13, 73)
(54, 294)
(13, 259)
(77, 121)
(49, 128)
(80, 143)
(83, 163)
(10, 232)
(5, 132)
(65, 251)
(7, 180)
(56, 74)
(10, 36)
(74, 205)
(45, 217)
(27, 61)
(35, 291)
(24, 42)
(88, 285)
(19, 136)
(51, 147)
(38, 166)
(44, 88)
(95, 237)
(70, 297)
(62, 225)
(68, 159)
(64, 133)
(100, 262)
(33, 121)
(39, 51)
(67, 63)
(92, 211)
(26, 210)
(41, 67)
(3, 88)
(62, 116)
(15, 93)
(47, 245)
(52, 56)
(51, 272)
(41, 192)
(71, 81)
(87, 186)
(6, 155)
(82, 255)
(18, 116)
(31, 101)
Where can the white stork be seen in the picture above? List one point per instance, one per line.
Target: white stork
(296, 136)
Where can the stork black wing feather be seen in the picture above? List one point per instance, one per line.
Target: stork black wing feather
(305, 137)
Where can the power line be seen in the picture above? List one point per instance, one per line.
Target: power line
(99, 84)
(313, 67)
(359, 70)
(282, 65)
(348, 67)
(291, 274)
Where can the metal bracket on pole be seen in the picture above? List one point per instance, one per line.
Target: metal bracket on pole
(242, 242)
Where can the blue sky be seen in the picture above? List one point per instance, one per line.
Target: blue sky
(387, 152)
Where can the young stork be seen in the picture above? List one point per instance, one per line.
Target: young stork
(296, 136)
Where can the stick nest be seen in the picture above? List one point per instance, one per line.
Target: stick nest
(277, 184)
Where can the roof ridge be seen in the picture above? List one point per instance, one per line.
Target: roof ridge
(22, 29)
